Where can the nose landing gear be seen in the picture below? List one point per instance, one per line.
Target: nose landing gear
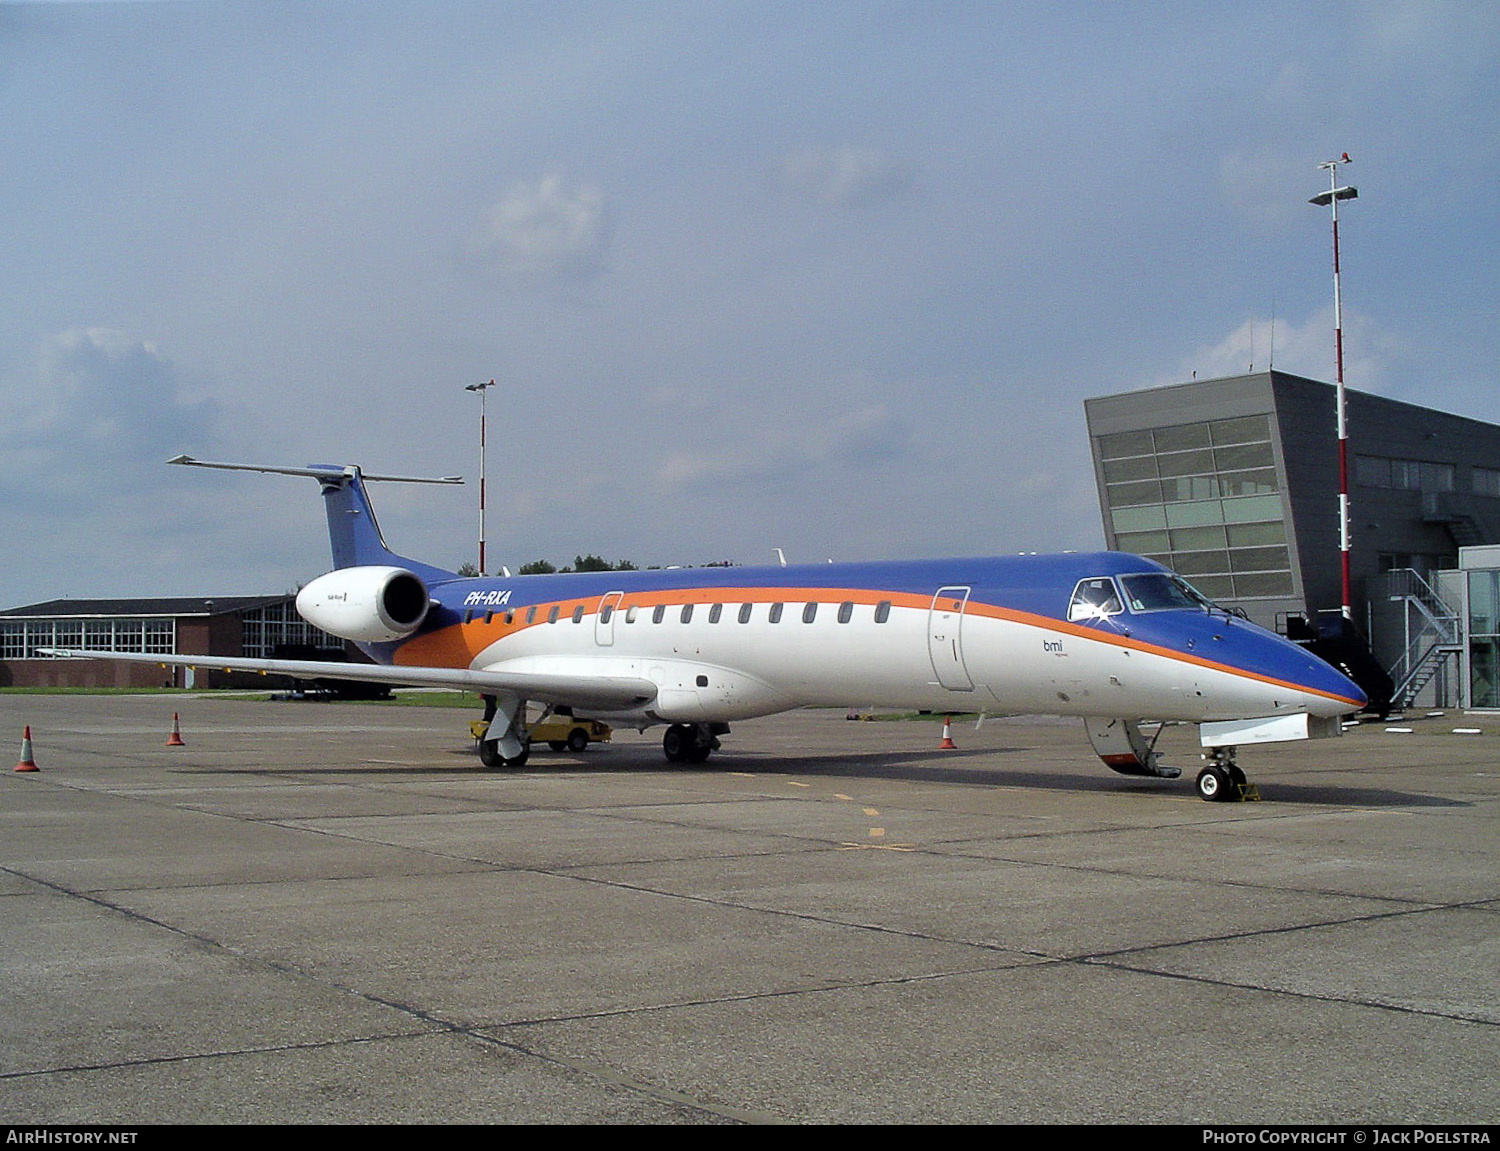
(1222, 781)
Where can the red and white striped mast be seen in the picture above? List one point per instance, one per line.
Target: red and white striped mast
(1330, 199)
(481, 389)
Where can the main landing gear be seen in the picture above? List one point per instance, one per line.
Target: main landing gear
(1222, 781)
(510, 746)
(492, 757)
(691, 742)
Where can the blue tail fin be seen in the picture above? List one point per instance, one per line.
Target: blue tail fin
(353, 531)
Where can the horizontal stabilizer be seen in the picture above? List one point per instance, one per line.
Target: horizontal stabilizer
(322, 473)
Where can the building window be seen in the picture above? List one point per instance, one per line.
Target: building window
(1405, 475)
(1484, 639)
(1203, 499)
(24, 639)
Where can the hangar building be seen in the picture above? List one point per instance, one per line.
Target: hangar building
(253, 626)
(1233, 483)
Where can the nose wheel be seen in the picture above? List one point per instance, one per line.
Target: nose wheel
(1222, 781)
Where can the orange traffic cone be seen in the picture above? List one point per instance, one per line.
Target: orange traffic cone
(28, 763)
(175, 739)
(947, 744)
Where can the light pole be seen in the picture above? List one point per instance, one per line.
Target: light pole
(1330, 199)
(481, 389)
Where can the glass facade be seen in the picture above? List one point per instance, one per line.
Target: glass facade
(1205, 500)
(21, 639)
(263, 628)
(1484, 639)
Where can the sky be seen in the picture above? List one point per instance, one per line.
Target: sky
(834, 278)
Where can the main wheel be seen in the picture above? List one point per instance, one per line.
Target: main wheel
(1214, 784)
(578, 739)
(490, 756)
(678, 742)
(558, 744)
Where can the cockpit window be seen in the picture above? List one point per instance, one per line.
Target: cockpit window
(1094, 599)
(1161, 591)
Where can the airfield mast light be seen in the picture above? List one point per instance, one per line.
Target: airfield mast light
(481, 388)
(1330, 199)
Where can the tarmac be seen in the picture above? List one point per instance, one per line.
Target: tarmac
(329, 912)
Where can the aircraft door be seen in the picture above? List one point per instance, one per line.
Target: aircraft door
(604, 622)
(945, 638)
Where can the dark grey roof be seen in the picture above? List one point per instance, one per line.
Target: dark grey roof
(160, 606)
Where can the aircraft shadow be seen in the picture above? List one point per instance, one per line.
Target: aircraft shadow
(954, 767)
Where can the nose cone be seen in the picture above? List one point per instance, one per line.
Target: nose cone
(1277, 663)
(1330, 692)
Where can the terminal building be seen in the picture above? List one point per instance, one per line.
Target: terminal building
(1233, 483)
(254, 626)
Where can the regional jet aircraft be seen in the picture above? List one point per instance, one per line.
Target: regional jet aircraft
(1115, 639)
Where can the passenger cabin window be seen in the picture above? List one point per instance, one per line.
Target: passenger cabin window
(846, 611)
(1094, 598)
(745, 612)
(687, 613)
(883, 611)
(606, 613)
(775, 613)
(715, 612)
(810, 612)
(552, 614)
(531, 615)
(659, 614)
(510, 618)
(578, 614)
(630, 614)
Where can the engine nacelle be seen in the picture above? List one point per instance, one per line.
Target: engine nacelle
(365, 604)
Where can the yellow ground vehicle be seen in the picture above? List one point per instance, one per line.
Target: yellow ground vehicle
(560, 732)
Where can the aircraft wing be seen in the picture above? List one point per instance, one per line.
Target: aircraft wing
(601, 692)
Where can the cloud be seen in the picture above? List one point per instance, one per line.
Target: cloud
(545, 228)
(93, 398)
(1267, 186)
(843, 177)
(849, 434)
(1304, 349)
